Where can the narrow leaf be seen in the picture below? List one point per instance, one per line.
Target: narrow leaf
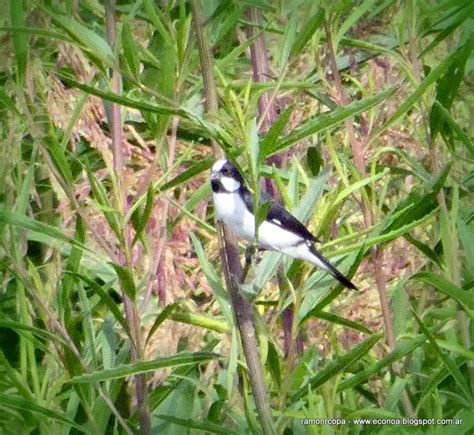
(11, 218)
(195, 169)
(449, 363)
(430, 79)
(10, 401)
(125, 277)
(20, 39)
(337, 365)
(329, 120)
(180, 359)
(204, 427)
(274, 133)
(403, 348)
(307, 32)
(130, 50)
(464, 297)
(165, 314)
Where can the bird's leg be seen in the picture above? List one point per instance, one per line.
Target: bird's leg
(249, 253)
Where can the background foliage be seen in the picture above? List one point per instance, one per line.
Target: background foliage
(113, 314)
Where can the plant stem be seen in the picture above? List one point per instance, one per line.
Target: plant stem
(358, 151)
(229, 250)
(131, 313)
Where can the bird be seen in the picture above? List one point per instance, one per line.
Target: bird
(280, 231)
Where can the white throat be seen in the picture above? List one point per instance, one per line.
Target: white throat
(230, 184)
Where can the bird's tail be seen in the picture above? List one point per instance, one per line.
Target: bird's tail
(326, 265)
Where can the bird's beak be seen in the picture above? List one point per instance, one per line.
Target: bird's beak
(215, 175)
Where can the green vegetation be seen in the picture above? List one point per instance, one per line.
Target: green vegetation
(115, 316)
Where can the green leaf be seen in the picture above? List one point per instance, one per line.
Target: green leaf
(314, 160)
(254, 148)
(400, 308)
(14, 378)
(337, 365)
(315, 303)
(430, 79)
(124, 101)
(130, 50)
(416, 205)
(300, 372)
(288, 41)
(87, 325)
(8, 103)
(20, 39)
(19, 327)
(100, 195)
(153, 14)
(180, 359)
(213, 279)
(403, 348)
(274, 132)
(165, 314)
(42, 33)
(445, 115)
(339, 321)
(273, 363)
(204, 427)
(464, 297)
(329, 120)
(307, 32)
(60, 161)
(105, 297)
(447, 25)
(94, 45)
(424, 248)
(394, 394)
(139, 220)
(11, 401)
(354, 16)
(446, 91)
(127, 282)
(358, 185)
(449, 363)
(194, 169)
(18, 220)
(200, 320)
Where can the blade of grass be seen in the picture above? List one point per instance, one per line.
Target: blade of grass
(449, 363)
(10, 401)
(337, 365)
(329, 120)
(177, 360)
(20, 40)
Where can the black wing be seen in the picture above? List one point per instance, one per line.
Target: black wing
(278, 215)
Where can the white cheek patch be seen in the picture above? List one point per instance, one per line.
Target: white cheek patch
(230, 184)
(218, 165)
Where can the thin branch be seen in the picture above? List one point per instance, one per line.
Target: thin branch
(229, 250)
(131, 313)
(261, 70)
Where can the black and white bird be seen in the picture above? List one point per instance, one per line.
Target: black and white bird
(280, 231)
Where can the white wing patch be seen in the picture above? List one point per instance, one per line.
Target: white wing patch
(278, 222)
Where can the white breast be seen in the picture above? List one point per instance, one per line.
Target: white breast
(231, 210)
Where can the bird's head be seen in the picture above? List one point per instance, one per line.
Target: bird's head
(225, 177)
